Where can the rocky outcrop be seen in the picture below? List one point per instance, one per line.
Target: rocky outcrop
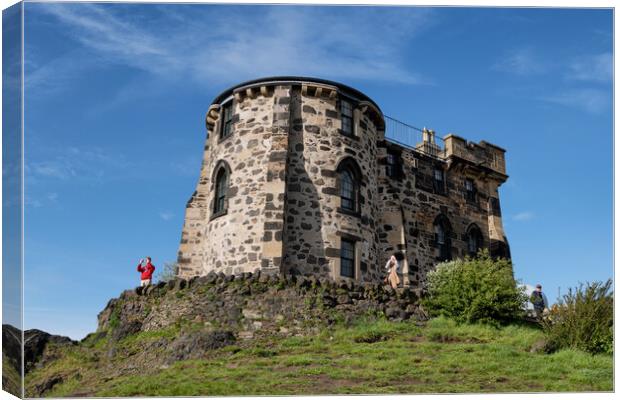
(36, 342)
(253, 304)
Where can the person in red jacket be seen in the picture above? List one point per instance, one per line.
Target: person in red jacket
(146, 270)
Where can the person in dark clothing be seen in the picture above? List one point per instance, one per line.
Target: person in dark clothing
(539, 300)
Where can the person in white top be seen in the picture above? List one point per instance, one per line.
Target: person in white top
(391, 268)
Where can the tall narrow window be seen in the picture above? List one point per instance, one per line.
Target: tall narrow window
(393, 166)
(346, 116)
(226, 118)
(474, 240)
(348, 191)
(347, 258)
(442, 238)
(221, 185)
(438, 181)
(470, 190)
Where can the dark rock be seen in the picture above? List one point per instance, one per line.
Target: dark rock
(201, 281)
(195, 344)
(12, 348)
(35, 342)
(211, 277)
(192, 281)
(48, 384)
(343, 299)
(180, 284)
(126, 328)
(393, 312)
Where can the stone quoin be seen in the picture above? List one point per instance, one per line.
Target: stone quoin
(300, 176)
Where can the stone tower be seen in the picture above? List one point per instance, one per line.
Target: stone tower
(299, 176)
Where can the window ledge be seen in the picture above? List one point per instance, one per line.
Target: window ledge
(225, 138)
(349, 212)
(349, 135)
(218, 214)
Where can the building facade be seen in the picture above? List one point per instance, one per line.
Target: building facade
(306, 176)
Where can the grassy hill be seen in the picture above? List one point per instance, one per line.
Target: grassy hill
(372, 356)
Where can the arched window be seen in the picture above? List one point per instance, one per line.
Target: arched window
(347, 191)
(349, 181)
(221, 186)
(443, 232)
(474, 239)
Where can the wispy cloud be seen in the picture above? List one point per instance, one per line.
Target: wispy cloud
(341, 42)
(80, 163)
(189, 166)
(166, 215)
(523, 216)
(595, 68)
(592, 100)
(523, 61)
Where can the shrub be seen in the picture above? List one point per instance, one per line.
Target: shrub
(582, 320)
(168, 272)
(481, 289)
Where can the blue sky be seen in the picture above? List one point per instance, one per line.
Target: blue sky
(116, 96)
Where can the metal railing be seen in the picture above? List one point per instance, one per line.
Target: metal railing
(421, 140)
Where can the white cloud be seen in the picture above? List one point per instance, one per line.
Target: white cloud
(341, 42)
(521, 62)
(523, 216)
(596, 68)
(166, 216)
(591, 100)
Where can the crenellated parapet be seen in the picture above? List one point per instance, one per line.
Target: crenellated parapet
(483, 154)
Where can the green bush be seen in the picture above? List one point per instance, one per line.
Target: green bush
(582, 320)
(480, 289)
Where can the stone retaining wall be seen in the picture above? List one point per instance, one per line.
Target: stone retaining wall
(252, 304)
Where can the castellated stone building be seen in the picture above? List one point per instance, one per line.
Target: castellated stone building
(307, 176)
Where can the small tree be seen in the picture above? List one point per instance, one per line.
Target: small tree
(168, 272)
(583, 319)
(481, 289)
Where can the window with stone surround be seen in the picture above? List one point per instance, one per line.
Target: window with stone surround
(474, 239)
(221, 186)
(346, 116)
(347, 258)
(393, 168)
(439, 181)
(226, 120)
(348, 192)
(470, 190)
(443, 232)
(348, 186)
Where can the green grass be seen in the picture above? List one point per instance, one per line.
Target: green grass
(11, 379)
(370, 357)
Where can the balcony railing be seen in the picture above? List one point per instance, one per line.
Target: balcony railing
(422, 140)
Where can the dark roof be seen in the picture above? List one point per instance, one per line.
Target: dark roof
(295, 79)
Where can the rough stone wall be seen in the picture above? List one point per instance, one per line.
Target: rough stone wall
(410, 207)
(283, 211)
(233, 242)
(314, 223)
